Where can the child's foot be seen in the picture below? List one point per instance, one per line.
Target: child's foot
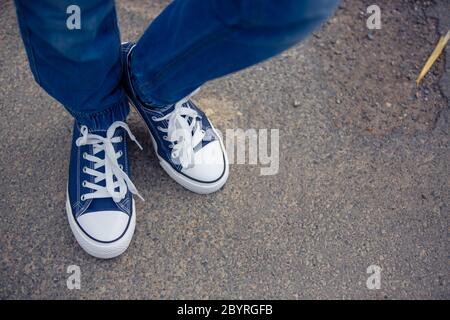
(100, 206)
(188, 147)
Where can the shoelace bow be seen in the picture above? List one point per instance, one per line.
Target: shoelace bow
(112, 168)
(184, 136)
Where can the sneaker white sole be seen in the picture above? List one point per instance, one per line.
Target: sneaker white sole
(98, 249)
(191, 185)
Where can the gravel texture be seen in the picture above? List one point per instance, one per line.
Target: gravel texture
(364, 175)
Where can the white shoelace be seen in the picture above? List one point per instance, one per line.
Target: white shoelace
(112, 167)
(184, 136)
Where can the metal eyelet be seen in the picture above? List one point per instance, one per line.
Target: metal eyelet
(83, 198)
(84, 169)
(84, 183)
(153, 118)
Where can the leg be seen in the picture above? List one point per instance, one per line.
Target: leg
(81, 68)
(194, 41)
(78, 67)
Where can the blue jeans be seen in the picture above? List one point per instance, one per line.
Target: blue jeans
(189, 43)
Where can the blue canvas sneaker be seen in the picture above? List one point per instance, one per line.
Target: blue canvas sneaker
(100, 206)
(188, 147)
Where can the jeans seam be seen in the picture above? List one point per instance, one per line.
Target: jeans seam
(26, 38)
(196, 47)
(241, 24)
(117, 30)
(258, 13)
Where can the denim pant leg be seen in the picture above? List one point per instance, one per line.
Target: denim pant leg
(80, 68)
(193, 41)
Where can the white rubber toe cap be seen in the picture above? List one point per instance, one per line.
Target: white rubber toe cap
(209, 163)
(104, 226)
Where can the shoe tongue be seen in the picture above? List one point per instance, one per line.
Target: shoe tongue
(166, 109)
(101, 133)
(103, 204)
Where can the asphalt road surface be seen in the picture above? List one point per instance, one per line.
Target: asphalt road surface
(363, 175)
